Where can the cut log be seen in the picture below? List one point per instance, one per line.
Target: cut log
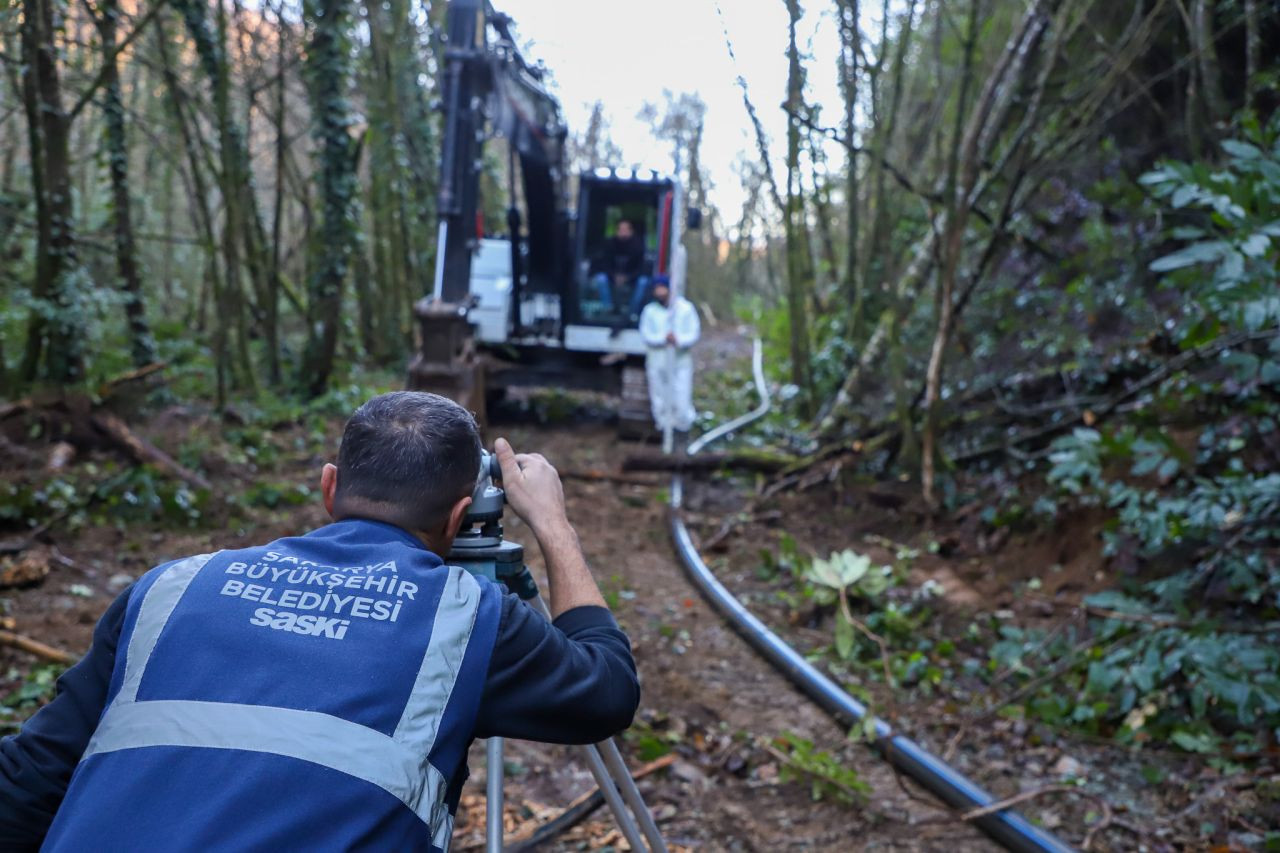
(143, 452)
(742, 460)
(594, 476)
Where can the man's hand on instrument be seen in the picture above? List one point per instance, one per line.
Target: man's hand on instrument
(533, 488)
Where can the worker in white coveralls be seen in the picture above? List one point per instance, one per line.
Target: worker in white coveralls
(670, 327)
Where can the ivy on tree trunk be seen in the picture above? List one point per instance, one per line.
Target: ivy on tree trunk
(328, 71)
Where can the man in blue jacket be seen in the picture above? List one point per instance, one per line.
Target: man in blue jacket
(321, 692)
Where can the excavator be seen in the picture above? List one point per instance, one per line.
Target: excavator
(529, 307)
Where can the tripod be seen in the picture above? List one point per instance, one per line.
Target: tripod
(484, 553)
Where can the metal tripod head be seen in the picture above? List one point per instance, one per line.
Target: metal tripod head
(479, 547)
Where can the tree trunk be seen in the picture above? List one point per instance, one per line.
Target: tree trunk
(1202, 37)
(240, 207)
(908, 287)
(909, 450)
(277, 209)
(1252, 54)
(798, 283)
(142, 346)
(328, 67)
(213, 285)
(955, 194)
(885, 127)
(850, 45)
(54, 334)
(825, 262)
(969, 150)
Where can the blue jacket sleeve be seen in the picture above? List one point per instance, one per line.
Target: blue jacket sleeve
(36, 764)
(572, 681)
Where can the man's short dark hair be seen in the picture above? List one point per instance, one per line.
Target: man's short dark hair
(409, 456)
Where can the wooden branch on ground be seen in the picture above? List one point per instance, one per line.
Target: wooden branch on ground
(37, 648)
(143, 452)
(15, 407)
(1158, 620)
(1068, 660)
(577, 812)
(743, 460)
(87, 421)
(1148, 381)
(72, 400)
(801, 473)
(18, 452)
(106, 389)
(595, 476)
(1007, 802)
(733, 522)
(22, 543)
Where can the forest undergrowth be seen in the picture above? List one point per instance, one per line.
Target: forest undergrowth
(1139, 392)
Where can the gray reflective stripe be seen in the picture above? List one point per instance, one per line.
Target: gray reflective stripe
(154, 613)
(444, 831)
(322, 739)
(450, 633)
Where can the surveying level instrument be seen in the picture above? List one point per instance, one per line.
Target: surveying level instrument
(480, 549)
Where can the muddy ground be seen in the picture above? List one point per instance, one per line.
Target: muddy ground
(709, 703)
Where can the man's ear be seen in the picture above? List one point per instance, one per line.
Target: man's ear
(329, 486)
(456, 515)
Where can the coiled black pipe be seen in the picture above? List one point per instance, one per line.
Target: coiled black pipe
(1006, 827)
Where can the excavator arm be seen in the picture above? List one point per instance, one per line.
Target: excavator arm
(490, 89)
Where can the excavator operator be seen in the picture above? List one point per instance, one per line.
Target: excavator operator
(620, 269)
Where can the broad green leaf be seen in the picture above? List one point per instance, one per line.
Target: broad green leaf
(1194, 742)
(841, 570)
(1256, 246)
(825, 573)
(1243, 150)
(1184, 195)
(1196, 253)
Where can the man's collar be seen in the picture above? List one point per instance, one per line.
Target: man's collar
(368, 526)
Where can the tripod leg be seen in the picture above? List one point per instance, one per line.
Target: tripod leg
(612, 798)
(493, 796)
(607, 766)
(631, 793)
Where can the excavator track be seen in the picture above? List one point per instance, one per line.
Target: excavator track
(635, 420)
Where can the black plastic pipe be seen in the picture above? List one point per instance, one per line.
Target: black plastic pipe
(1006, 826)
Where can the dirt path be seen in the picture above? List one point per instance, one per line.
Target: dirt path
(704, 687)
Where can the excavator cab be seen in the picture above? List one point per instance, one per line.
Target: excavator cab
(621, 246)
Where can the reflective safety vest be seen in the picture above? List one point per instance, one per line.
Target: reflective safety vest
(317, 693)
